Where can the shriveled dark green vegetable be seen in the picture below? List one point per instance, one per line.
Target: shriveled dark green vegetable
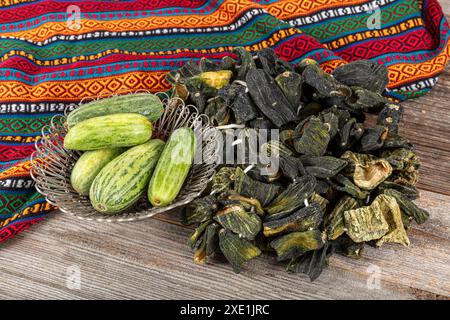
(247, 146)
(249, 204)
(261, 123)
(349, 134)
(331, 120)
(301, 66)
(327, 181)
(405, 188)
(309, 109)
(269, 98)
(334, 222)
(344, 184)
(401, 159)
(228, 63)
(311, 263)
(408, 207)
(246, 186)
(217, 111)
(271, 63)
(198, 232)
(200, 210)
(293, 245)
(246, 62)
(207, 65)
(236, 97)
(347, 247)
(289, 165)
(291, 85)
(235, 218)
(303, 219)
(223, 180)
(366, 223)
(393, 217)
(293, 197)
(312, 137)
(323, 167)
(199, 93)
(236, 250)
(209, 244)
(363, 73)
(316, 198)
(393, 140)
(367, 171)
(390, 117)
(364, 99)
(373, 138)
(189, 69)
(322, 82)
(264, 173)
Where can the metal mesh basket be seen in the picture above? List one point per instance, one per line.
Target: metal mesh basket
(52, 165)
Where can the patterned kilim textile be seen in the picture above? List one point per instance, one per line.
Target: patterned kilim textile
(54, 53)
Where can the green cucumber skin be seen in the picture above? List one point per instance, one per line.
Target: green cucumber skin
(172, 168)
(88, 166)
(124, 180)
(111, 131)
(146, 104)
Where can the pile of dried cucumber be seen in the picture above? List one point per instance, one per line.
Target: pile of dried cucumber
(120, 161)
(341, 183)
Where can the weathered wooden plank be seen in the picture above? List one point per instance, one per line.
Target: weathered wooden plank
(150, 259)
(426, 124)
(445, 4)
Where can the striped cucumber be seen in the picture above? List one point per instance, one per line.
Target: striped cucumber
(123, 181)
(111, 131)
(172, 168)
(146, 104)
(88, 166)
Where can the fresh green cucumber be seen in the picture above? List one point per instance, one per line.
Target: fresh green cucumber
(88, 166)
(111, 131)
(146, 104)
(124, 180)
(172, 168)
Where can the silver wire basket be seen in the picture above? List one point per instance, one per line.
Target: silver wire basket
(52, 164)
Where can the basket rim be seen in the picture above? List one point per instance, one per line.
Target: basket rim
(51, 139)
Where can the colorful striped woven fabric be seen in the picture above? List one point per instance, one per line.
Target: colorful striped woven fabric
(54, 53)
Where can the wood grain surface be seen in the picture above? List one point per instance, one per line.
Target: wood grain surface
(150, 259)
(445, 4)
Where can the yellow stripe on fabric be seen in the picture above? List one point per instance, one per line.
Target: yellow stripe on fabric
(7, 3)
(288, 9)
(225, 14)
(23, 169)
(403, 73)
(19, 139)
(36, 208)
(14, 91)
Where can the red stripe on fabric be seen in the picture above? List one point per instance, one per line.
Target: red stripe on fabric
(15, 228)
(297, 46)
(412, 41)
(433, 15)
(9, 153)
(30, 10)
